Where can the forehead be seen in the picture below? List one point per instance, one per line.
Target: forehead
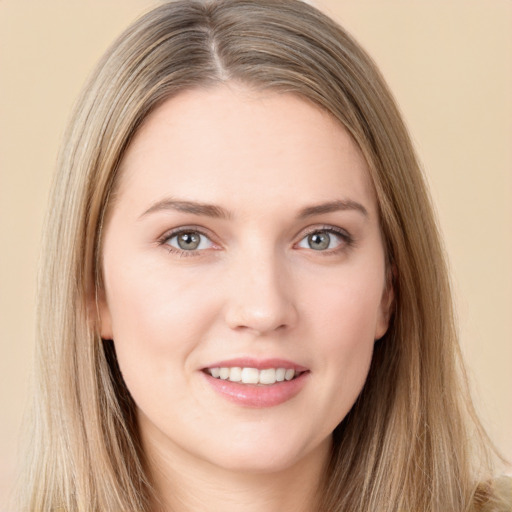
(231, 143)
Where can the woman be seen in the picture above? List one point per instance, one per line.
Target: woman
(244, 300)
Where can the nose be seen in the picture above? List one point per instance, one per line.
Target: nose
(261, 296)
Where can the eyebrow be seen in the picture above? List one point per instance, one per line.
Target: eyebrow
(211, 210)
(193, 207)
(332, 206)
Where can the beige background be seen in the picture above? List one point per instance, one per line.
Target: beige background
(450, 66)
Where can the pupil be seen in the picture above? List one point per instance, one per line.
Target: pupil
(188, 241)
(319, 241)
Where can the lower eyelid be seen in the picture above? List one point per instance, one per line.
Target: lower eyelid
(342, 234)
(165, 239)
(345, 240)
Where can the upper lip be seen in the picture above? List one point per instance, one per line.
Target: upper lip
(259, 364)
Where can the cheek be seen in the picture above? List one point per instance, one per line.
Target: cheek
(346, 315)
(348, 306)
(158, 320)
(144, 293)
(157, 316)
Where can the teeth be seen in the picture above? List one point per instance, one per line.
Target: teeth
(235, 374)
(268, 376)
(289, 374)
(252, 375)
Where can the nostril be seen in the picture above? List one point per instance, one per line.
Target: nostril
(259, 327)
(260, 318)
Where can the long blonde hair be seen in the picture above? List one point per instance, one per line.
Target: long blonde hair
(412, 440)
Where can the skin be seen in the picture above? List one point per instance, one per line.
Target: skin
(255, 287)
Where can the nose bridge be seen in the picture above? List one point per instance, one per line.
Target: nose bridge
(260, 297)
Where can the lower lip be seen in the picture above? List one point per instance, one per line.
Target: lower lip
(258, 396)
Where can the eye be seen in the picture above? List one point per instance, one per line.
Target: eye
(325, 240)
(189, 240)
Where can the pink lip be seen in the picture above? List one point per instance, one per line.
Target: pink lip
(259, 364)
(254, 395)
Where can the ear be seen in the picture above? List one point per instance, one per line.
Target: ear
(102, 314)
(387, 303)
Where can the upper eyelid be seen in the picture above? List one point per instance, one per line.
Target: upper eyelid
(185, 229)
(298, 237)
(347, 240)
(163, 241)
(323, 227)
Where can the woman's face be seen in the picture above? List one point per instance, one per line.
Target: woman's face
(243, 243)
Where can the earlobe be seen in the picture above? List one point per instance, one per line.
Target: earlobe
(387, 304)
(104, 319)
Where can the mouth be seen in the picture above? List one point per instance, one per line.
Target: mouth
(256, 383)
(255, 376)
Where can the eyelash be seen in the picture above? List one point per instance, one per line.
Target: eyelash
(179, 252)
(347, 240)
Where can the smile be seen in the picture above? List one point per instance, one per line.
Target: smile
(256, 383)
(267, 376)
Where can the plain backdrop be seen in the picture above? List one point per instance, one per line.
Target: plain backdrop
(449, 64)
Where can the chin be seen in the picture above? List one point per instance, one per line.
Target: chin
(264, 456)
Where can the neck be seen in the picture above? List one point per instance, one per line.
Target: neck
(184, 484)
